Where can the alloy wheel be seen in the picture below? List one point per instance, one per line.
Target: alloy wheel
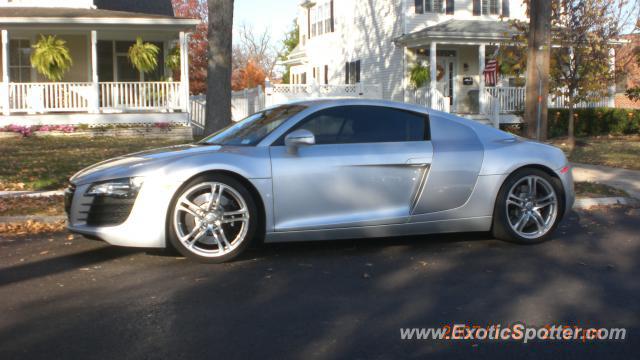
(211, 219)
(532, 207)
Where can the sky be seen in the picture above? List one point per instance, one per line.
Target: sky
(277, 15)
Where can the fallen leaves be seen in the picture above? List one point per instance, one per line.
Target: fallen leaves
(31, 227)
(43, 206)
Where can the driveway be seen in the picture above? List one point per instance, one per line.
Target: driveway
(62, 298)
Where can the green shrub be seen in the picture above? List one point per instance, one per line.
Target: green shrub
(596, 121)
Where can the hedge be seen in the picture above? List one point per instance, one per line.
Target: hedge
(595, 121)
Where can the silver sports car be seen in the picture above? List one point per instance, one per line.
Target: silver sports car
(321, 170)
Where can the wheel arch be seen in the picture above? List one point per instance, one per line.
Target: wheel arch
(540, 167)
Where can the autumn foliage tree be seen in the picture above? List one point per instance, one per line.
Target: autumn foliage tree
(196, 9)
(248, 77)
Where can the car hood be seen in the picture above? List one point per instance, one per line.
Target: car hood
(140, 163)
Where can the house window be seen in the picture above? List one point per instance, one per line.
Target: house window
(489, 7)
(303, 78)
(321, 17)
(20, 60)
(352, 72)
(434, 6)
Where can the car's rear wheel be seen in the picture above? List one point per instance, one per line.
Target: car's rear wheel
(213, 219)
(529, 207)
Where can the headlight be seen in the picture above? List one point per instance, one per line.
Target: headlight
(118, 188)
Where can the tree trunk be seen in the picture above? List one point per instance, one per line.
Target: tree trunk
(218, 113)
(538, 60)
(571, 139)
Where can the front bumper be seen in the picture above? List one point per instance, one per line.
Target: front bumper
(569, 190)
(143, 228)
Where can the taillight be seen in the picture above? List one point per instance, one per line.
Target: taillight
(565, 170)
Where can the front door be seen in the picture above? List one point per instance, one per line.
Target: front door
(365, 169)
(446, 75)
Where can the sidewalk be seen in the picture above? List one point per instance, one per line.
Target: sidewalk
(627, 180)
(31, 193)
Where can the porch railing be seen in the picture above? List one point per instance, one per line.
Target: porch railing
(160, 95)
(38, 98)
(423, 97)
(510, 99)
(49, 97)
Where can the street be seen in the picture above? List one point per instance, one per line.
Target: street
(63, 297)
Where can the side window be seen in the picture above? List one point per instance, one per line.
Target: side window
(327, 125)
(365, 124)
(372, 124)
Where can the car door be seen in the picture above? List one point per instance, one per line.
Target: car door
(367, 167)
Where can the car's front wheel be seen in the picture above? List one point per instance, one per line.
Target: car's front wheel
(213, 219)
(528, 207)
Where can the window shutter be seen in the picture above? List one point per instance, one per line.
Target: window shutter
(332, 18)
(450, 7)
(346, 70)
(505, 8)
(309, 23)
(476, 8)
(357, 71)
(326, 74)
(419, 6)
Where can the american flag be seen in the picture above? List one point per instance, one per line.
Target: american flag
(491, 73)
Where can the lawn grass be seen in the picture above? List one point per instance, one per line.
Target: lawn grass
(620, 152)
(46, 163)
(596, 190)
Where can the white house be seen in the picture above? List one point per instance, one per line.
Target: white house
(102, 86)
(379, 41)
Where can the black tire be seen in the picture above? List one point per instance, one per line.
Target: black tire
(501, 228)
(252, 222)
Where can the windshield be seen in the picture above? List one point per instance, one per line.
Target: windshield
(250, 131)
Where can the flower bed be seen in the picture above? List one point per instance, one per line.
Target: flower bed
(156, 131)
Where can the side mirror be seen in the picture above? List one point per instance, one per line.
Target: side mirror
(298, 138)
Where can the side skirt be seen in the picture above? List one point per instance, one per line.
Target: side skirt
(423, 228)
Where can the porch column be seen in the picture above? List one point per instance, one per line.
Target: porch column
(433, 67)
(612, 85)
(5, 72)
(94, 102)
(481, 65)
(184, 72)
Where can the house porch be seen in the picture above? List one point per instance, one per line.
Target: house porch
(101, 82)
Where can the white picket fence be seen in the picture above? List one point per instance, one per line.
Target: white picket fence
(250, 101)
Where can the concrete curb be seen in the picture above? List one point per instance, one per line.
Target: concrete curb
(36, 218)
(10, 194)
(587, 203)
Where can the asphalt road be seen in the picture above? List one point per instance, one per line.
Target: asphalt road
(71, 299)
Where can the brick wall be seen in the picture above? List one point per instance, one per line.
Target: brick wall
(623, 102)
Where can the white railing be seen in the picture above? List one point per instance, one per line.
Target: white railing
(283, 93)
(35, 98)
(491, 107)
(243, 104)
(40, 98)
(423, 97)
(562, 102)
(122, 96)
(510, 99)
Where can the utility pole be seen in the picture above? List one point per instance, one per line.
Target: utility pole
(538, 60)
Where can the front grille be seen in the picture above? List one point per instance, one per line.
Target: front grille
(109, 211)
(68, 199)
